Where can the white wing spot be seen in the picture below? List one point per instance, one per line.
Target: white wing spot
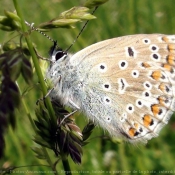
(139, 103)
(123, 117)
(155, 56)
(146, 41)
(171, 38)
(135, 73)
(107, 100)
(130, 108)
(108, 119)
(147, 85)
(147, 94)
(154, 48)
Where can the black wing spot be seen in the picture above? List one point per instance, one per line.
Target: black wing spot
(123, 85)
(131, 52)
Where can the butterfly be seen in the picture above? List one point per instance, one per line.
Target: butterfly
(124, 84)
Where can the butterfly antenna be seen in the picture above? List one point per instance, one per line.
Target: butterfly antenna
(80, 32)
(33, 28)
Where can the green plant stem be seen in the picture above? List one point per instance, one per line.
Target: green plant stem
(35, 60)
(40, 77)
(66, 165)
(41, 80)
(34, 127)
(49, 160)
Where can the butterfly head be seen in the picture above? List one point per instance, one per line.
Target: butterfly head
(58, 70)
(56, 54)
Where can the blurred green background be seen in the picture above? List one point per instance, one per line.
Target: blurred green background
(115, 18)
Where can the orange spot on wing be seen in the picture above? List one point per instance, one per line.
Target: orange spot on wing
(164, 38)
(132, 132)
(171, 48)
(162, 86)
(161, 100)
(146, 65)
(167, 66)
(155, 109)
(147, 120)
(136, 125)
(171, 59)
(156, 75)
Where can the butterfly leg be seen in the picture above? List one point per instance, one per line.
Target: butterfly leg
(73, 104)
(67, 116)
(40, 57)
(48, 93)
(42, 99)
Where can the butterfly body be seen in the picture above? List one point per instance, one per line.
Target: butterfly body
(125, 84)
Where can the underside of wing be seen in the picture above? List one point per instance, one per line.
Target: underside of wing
(129, 84)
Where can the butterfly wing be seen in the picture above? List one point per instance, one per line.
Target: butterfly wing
(128, 84)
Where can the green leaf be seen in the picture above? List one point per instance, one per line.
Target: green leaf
(15, 67)
(43, 132)
(11, 63)
(10, 96)
(26, 71)
(12, 119)
(9, 46)
(77, 13)
(10, 22)
(59, 23)
(2, 59)
(39, 152)
(75, 151)
(39, 125)
(14, 93)
(42, 143)
(2, 19)
(42, 114)
(75, 137)
(14, 20)
(41, 157)
(94, 3)
(12, 16)
(6, 28)
(87, 131)
(68, 18)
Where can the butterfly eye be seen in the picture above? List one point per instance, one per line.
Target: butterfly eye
(60, 54)
(56, 53)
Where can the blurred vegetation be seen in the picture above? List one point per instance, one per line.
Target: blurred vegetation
(115, 18)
